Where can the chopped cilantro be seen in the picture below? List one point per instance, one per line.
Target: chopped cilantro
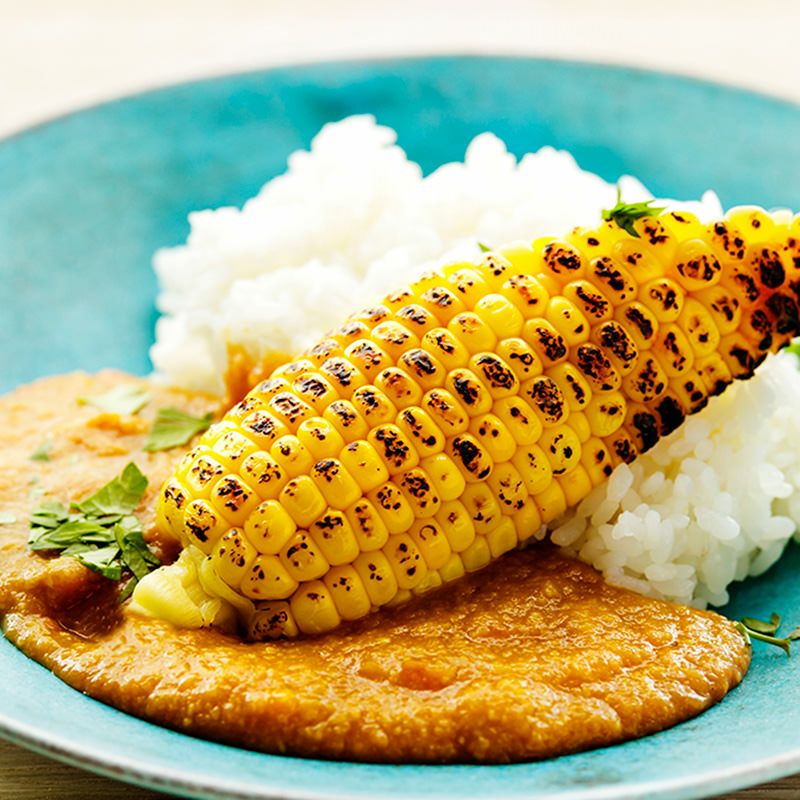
(42, 452)
(173, 427)
(101, 532)
(127, 398)
(625, 214)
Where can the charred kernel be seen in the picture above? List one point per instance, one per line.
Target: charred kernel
(367, 357)
(546, 341)
(545, 396)
(269, 527)
(572, 384)
(271, 621)
(302, 500)
(393, 338)
(768, 265)
(509, 488)
(468, 285)
(673, 351)
(698, 325)
(399, 387)
(422, 366)
(445, 476)
(337, 485)
(203, 524)
(613, 279)
(457, 525)
(343, 415)
(432, 542)
(302, 558)
(233, 498)
(315, 390)
(373, 405)
(398, 299)
(320, 438)
(473, 333)
(468, 454)
(758, 327)
(292, 456)
(269, 388)
(470, 391)
(444, 346)
(596, 368)
(596, 460)
(372, 315)
(348, 333)
(589, 299)
(646, 382)
(446, 411)
(494, 436)
(724, 307)
(264, 474)
(333, 535)
(267, 579)
(418, 426)
(406, 561)
(617, 344)
(714, 372)
(203, 471)
(670, 413)
(482, 506)
(527, 294)
(420, 492)
(563, 260)
(521, 420)
(696, 265)
(313, 608)
(534, 466)
(690, 391)
(342, 375)
(606, 413)
(263, 428)
(367, 525)
(739, 354)
(498, 377)
(496, 268)
(639, 322)
(392, 506)
(567, 320)
(784, 310)
(321, 352)
(416, 318)
(518, 354)
(644, 425)
(443, 303)
(727, 239)
(393, 447)
(562, 448)
(348, 592)
(664, 298)
(377, 576)
(622, 447)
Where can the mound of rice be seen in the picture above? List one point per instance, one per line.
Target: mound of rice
(354, 218)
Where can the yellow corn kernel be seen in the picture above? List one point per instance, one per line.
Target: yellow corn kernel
(589, 300)
(302, 500)
(263, 428)
(393, 338)
(272, 621)
(232, 556)
(202, 524)
(233, 499)
(455, 521)
(373, 406)
(445, 476)
(405, 560)
(714, 372)
(636, 257)
(695, 266)
(528, 520)
(546, 399)
(606, 413)
(232, 448)
(342, 375)
(470, 457)
(367, 357)
(509, 488)
(490, 431)
(432, 581)
(344, 416)
(362, 461)
(521, 257)
(752, 221)
(427, 280)
(563, 260)
(739, 354)
(682, 223)
(269, 527)
(610, 277)
(639, 323)
(474, 334)
(646, 382)
(758, 328)
(399, 387)
(551, 502)
(698, 325)
(334, 536)
(519, 418)
(527, 294)
(290, 409)
(596, 460)
(501, 315)
(324, 350)
(423, 368)
(495, 374)
(673, 351)
(441, 302)
(420, 491)
(562, 447)
(567, 319)
(202, 473)
(518, 354)
(302, 559)
(446, 412)
(546, 342)
(367, 525)
(643, 425)
(431, 541)
(618, 345)
(496, 268)
(723, 306)
(596, 368)
(579, 423)
(534, 466)
(292, 456)
(574, 387)
(664, 298)
(576, 484)
(267, 389)
(445, 347)
(416, 318)
(453, 569)
(393, 507)
(482, 507)
(348, 592)
(690, 391)
(420, 429)
(350, 332)
(394, 448)
(267, 579)
(502, 538)
(320, 438)
(472, 393)
(316, 390)
(622, 447)
(337, 485)
(313, 608)
(377, 575)
(477, 555)
(468, 285)
(726, 240)
(372, 315)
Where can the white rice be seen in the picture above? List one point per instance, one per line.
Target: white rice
(354, 218)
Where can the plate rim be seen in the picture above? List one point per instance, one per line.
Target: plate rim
(177, 780)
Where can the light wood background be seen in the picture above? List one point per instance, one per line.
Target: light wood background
(56, 56)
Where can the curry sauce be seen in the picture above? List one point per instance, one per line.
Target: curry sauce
(533, 657)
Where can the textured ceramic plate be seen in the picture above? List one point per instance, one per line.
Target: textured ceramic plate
(85, 200)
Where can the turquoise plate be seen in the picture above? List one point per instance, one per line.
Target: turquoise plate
(86, 199)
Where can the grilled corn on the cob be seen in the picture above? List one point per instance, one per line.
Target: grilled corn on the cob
(434, 432)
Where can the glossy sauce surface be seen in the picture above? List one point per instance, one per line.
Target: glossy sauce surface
(533, 657)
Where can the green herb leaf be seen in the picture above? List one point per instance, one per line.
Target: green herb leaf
(625, 214)
(42, 452)
(484, 248)
(794, 635)
(104, 560)
(794, 347)
(752, 628)
(135, 553)
(127, 398)
(173, 427)
(767, 628)
(7, 518)
(119, 496)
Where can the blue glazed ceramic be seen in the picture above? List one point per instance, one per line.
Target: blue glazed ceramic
(86, 199)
